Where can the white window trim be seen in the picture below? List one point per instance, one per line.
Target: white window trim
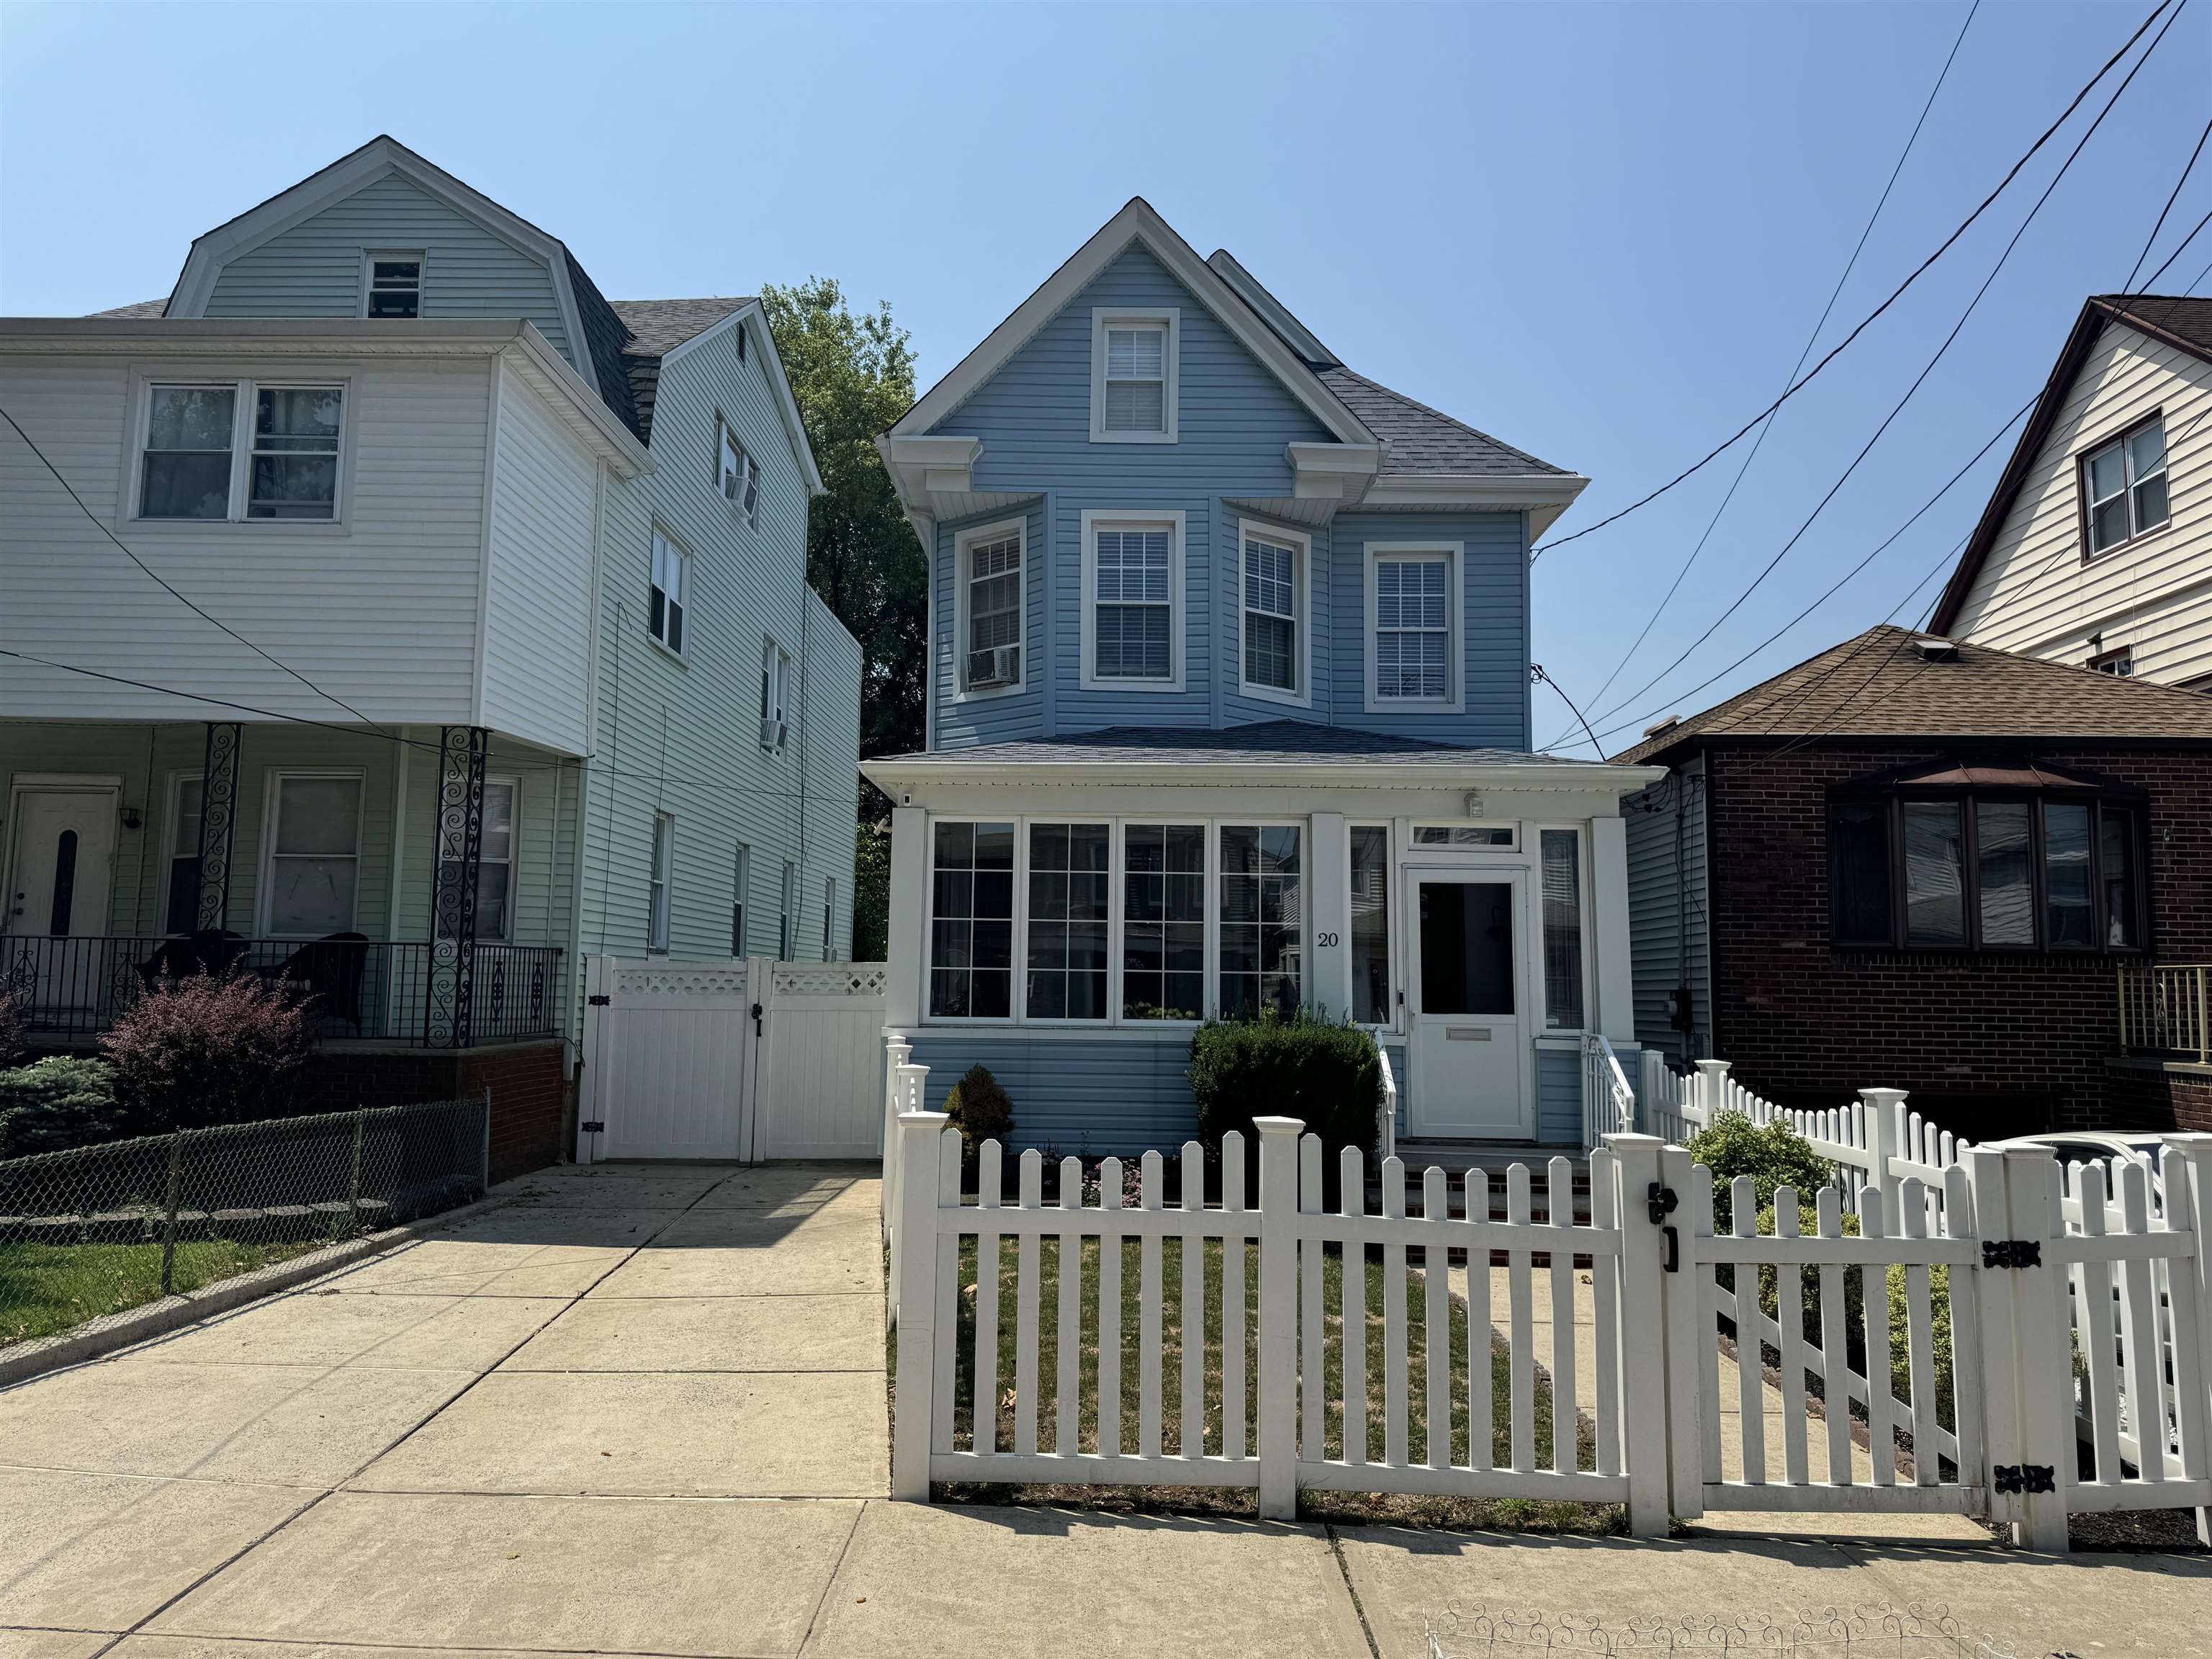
(146, 378)
(272, 782)
(682, 550)
(1116, 917)
(1585, 873)
(660, 918)
(1394, 940)
(961, 541)
(1261, 530)
(514, 855)
(370, 256)
(749, 464)
(775, 675)
(786, 944)
(1455, 558)
(1178, 600)
(741, 899)
(829, 917)
(171, 851)
(1102, 318)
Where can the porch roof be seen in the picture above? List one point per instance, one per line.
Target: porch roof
(1266, 751)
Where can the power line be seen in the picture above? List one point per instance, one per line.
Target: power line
(1811, 340)
(213, 621)
(1929, 368)
(1536, 671)
(1897, 293)
(2151, 240)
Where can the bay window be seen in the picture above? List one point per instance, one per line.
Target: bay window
(2056, 868)
(990, 575)
(1272, 612)
(1132, 638)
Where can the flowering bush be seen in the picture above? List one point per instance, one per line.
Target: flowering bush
(207, 1050)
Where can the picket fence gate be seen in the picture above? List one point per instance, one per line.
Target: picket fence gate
(1682, 1320)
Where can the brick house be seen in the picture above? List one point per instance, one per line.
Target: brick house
(1909, 862)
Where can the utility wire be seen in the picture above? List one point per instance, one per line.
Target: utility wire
(205, 617)
(1899, 408)
(2151, 240)
(1536, 672)
(1895, 295)
(1789, 380)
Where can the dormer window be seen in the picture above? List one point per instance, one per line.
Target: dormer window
(393, 285)
(1132, 376)
(737, 475)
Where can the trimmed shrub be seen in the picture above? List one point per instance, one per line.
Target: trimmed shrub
(11, 1030)
(206, 1051)
(1300, 1065)
(1773, 1154)
(980, 1109)
(60, 1102)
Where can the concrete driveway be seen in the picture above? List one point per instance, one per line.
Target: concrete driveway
(639, 1410)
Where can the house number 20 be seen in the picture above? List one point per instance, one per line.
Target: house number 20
(1325, 941)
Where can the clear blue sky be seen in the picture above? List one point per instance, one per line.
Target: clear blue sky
(1601, 232)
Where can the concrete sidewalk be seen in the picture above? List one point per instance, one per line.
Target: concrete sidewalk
(639, 1410)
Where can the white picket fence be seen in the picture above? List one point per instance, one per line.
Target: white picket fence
(1682, 1390)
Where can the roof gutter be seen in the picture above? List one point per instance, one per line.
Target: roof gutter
(898, 772)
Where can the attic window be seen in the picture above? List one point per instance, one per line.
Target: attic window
(394, 285)
(1133, 376)
(737, 475)
(741, 343)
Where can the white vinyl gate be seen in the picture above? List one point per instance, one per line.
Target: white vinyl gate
(733, 1061)
(2078, 1324)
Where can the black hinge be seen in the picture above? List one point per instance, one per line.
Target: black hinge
(2027, 1478)
(2012, 1253)
(598, 1002)
(593, 1129)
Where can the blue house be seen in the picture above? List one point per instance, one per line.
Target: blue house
(1228, 708)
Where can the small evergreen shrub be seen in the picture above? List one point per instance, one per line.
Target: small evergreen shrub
(1327, 1075)
(1773, 1154)
(60, 1102)
(980, 1109)
(206, 1051)
(11, 1030)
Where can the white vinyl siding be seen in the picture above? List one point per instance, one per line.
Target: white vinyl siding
(2037, 593)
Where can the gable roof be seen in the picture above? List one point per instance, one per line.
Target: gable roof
(1423, 442)
(1880, 685)
(659, 330)
(2176, 320)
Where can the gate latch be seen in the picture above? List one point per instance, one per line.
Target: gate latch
(597, 1001)
(1659, 1203)
(2012, 1253)
(757, 1011)
(593, 1129)
(2025, 1478)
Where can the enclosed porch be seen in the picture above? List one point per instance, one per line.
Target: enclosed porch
(415, 883)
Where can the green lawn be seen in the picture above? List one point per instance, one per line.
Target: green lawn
(1318, 1504)
(47, 1288)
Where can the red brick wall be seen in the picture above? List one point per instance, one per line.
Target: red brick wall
(1989, 1044)
(528, 1082)
(2147, 1098)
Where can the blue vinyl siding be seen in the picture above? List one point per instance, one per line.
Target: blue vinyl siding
(1089, 1098)
(1558, 1098)
(1234, 423)
(314, 269)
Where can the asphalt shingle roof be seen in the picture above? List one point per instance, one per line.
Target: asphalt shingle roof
(2179, 315)
(656, 328)
(1286, 742)
(1880, 685)
(1424, 442)
(142, 308)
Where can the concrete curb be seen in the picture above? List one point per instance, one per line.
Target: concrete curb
(175, 1312)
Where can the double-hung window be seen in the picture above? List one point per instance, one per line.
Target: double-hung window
(737, 474)
(241, 450)
(315, 853)
(496, 862)
(1273, 607)
(1262, 918)
(670, 599)
(741, 880)
(391, 285)
(1965, 870)
(787, 933)
(1413, 607)
(829, 916)
(776, 686)
(1132, 375)
(1132, 585)
(660, 877)
(2123, 487)
(187, 798)
(990, 565)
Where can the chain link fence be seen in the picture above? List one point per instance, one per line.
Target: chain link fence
(94, 1231)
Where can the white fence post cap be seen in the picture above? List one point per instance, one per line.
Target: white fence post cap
(1279, 1125)
(1634, 1142)
(924, 1119)
(1883, 1097)
(1713, 1067)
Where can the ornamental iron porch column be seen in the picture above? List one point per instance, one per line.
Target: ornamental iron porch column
(218, 817)
(459, 842)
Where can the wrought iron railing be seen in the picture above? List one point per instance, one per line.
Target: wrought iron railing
(2166, 1009)
(369, 989)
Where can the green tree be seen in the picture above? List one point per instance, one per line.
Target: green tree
(853, 375)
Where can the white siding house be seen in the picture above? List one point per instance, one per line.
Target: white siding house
(369, 601)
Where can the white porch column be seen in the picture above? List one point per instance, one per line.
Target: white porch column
(1616, 982)
(1328, 879)
(909, 904)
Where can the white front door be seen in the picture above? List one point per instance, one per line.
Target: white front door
(59, 872)
(1469, 1006)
